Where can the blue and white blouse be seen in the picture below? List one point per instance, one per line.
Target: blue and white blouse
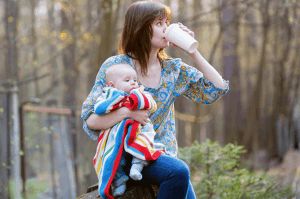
(177, 78)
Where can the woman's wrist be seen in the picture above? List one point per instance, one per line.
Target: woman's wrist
(126, 112)
(208, 70)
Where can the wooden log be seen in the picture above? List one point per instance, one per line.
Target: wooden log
(132, 191)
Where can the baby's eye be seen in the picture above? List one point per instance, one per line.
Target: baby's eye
(135, 80)
(127, 80)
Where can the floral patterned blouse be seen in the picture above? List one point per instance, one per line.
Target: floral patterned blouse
(177, 78)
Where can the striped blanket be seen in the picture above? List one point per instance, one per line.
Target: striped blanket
(127, 134)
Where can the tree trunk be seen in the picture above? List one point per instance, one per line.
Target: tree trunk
(282, 92)
(50, 90)
(104, 50)
(197, 7)
(33, 37)
(69, 28)
(68, 53)
(10, 42)
(251, 137)
(181, 102)
(232, 101)
(251, 47)
(11, 70)
(86, 145)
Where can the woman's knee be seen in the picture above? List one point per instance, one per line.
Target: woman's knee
(180, 171)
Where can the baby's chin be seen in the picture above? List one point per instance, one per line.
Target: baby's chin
(133, 89)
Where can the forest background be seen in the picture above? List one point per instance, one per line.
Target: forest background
(52, 50)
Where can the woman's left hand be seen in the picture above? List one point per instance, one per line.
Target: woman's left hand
(184, 28)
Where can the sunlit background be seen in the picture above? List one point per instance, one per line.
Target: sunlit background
(51, 50)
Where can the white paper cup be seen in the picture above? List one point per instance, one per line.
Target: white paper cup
(181, 38)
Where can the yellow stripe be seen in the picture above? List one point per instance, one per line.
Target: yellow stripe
(153, 105)
(98, 150)
(103, 145)
(142, 141)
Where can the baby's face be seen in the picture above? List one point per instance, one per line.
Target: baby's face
(127, 81)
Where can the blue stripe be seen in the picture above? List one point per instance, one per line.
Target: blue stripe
(110, 161)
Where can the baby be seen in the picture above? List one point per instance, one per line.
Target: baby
(124, 78)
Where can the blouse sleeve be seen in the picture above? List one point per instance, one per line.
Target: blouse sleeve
(192, 84)
(97, 90)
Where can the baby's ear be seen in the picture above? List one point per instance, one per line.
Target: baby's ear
(110, 84)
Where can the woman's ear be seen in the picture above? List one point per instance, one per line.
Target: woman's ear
(111, 84)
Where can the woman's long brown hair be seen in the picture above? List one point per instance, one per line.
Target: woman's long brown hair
(137, 31)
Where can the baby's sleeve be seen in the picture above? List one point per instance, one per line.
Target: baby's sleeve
(152, 104)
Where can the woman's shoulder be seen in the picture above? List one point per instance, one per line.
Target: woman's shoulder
(172, 61)
(173, 64)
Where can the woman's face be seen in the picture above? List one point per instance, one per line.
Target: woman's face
(159, 27)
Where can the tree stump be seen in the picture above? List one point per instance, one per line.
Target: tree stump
(133, 191)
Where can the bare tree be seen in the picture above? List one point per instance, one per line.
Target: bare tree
(54, 82)
(181, 102)
(197, 7)
(251, 136)
(33, 37)
(11, 53)
(232, 101)
(70, 28)
(11, 70)
(281, 95)
(105, 28)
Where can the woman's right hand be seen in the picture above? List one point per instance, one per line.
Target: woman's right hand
(140, 116)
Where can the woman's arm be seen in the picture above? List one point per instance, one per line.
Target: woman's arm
(208, 71)
(99, 122)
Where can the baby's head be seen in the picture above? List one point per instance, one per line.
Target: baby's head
(122, 76)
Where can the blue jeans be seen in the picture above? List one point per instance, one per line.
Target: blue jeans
(171, 174)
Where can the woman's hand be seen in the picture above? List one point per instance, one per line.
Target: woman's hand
(140, 116)
(184, 28)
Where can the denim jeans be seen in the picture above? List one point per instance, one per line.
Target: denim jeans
(171, 174)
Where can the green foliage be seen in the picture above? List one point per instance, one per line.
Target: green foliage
(218, 174)
(34, 188)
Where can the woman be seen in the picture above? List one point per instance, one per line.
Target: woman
(142, 46)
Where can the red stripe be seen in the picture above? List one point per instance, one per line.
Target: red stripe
(117, 161)
(119, 104)
(134, 101)
(146, 106)
(132, 134)
(138, 147)
(146, 152)
(116, 106)
(100, 138)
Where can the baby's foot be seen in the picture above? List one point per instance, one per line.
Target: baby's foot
(120, 190)
(135, 171)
